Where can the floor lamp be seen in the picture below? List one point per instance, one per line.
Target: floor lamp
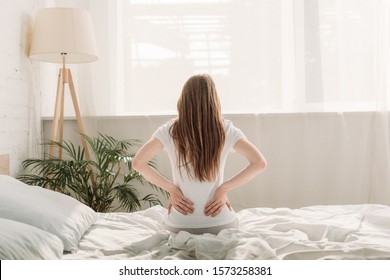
(64, 35)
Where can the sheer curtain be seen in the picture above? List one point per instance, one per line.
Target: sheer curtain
(307, 81)
(380, 184)
(266, 56)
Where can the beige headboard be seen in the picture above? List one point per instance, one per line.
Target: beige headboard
(4, 164)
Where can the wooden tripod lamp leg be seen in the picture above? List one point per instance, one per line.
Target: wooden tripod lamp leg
(78, 116)
(61, 122)
(59, 105)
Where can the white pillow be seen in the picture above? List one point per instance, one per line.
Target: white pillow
(51, 211)
(20, 241)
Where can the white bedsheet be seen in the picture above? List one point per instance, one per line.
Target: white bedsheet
(316, 232)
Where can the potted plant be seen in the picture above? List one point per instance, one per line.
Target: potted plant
(101, 182)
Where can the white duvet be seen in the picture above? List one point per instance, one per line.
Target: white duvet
(316, 232)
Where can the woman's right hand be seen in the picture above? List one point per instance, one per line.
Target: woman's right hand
(180, 202)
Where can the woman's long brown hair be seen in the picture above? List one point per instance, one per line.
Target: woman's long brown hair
(199, 132)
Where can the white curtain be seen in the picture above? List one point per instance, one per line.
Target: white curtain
(307, 81)
(380, 184)
(265, 55)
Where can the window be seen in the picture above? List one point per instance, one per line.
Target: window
(264, 55)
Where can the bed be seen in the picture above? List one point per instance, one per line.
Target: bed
(37, 223)
(316, 232)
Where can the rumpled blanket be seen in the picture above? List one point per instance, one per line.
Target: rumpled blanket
(315, 232)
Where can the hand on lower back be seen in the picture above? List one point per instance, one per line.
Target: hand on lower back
(180, 202)
(216, 204)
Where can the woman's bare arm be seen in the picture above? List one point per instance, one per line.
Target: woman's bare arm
(141, 164)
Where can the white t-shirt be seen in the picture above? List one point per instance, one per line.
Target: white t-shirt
(198, 192)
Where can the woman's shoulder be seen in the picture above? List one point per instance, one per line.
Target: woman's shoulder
(163, 130)
(232, 131)
(228, 124)
(168, 124)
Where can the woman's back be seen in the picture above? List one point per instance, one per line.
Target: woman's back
(198, 143)
(197, 191)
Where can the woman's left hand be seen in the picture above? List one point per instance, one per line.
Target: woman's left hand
(216, 204)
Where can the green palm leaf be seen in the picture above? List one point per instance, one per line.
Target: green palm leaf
(106, 179)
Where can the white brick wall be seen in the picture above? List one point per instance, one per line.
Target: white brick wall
(19, 82)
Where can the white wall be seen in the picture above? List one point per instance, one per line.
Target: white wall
(19, 82)
(322, 158)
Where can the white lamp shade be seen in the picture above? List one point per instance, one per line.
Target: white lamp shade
(63, 30)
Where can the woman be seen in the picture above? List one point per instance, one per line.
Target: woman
(198, 143)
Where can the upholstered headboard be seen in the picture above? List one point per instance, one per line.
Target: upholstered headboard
(4, 164)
